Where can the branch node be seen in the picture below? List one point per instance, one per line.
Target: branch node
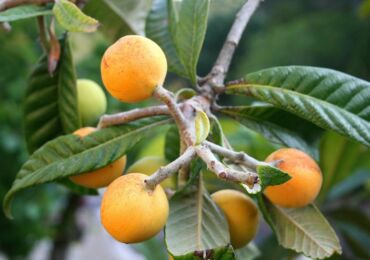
(167, 98)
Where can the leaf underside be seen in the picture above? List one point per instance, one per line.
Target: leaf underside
(277, 126)
(304, 230)
(195, 223)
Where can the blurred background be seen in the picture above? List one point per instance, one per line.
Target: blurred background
(52, 222)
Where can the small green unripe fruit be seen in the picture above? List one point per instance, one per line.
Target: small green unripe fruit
(92, 102)
(149, 165)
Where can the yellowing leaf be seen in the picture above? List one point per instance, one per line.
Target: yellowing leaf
(72, 18)
(201, 126)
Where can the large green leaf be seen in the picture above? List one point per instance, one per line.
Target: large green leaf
(188, 28)
(69, 155)
(304, 230)
(118, 17)
(195, 223)
(50, 106)
(157, 29)
(339, 157)
(72, 18)
(327, 98)
(78, 189)
(277, 126)
(23, 12)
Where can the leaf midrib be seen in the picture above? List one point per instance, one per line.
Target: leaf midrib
(301, 228)
(292, 92)
(199, 214)
(17, 187)
(108, 142)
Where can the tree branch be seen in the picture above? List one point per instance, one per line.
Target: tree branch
(213, 164)
(218, 73)
(169, 169)
(237, 157)
(134, 114)
(6, 4)
(165, 96)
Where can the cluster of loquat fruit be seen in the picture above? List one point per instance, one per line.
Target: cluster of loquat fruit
(131, 212)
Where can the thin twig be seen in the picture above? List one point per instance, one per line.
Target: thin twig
(221, 67)
(171, 168)
(6, 4)
(165, 96)
(213, 164)
(134, 114)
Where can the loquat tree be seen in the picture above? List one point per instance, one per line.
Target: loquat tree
(71, 142)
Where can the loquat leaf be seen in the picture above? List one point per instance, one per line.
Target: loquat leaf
(72, 18)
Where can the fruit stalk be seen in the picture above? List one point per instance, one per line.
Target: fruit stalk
(166, 171)
(165, 96)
